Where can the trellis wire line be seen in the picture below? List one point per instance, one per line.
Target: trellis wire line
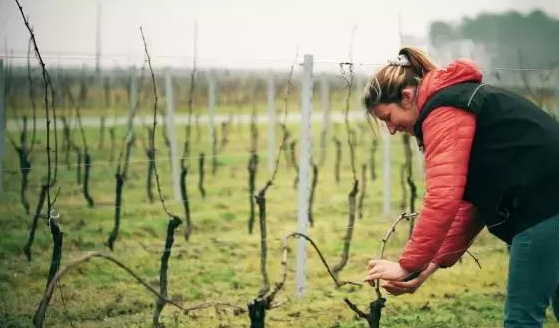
(320, 285)
(239, 154)
(239, 272)
(343, 229)
(334, 229)
(144, 161)
(239, 118)
(317, 283)
(156, 248)
(109, 56)
(482, 249)
(102, 176)
(112, 57)
(317, 207)
(443, 67)
(73, 197)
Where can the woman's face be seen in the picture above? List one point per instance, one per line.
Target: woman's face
(398, 117)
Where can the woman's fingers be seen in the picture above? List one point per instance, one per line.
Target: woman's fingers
(397, 290)
(393, 290)
(393, 275)
(376, 272)
(404, 284)
(371, 276)
(372, 264)
(383, 269)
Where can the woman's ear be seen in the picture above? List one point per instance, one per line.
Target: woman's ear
(408, 96)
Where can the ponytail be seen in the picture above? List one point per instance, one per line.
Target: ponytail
(420, 63)
(387, 84)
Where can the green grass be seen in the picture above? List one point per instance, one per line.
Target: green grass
(221, 261)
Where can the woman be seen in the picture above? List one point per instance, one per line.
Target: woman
(487, 151)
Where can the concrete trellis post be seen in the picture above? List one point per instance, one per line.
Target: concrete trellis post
(169, 95)
(325, 106)
(271, 122)
(132, 89)
(2, 132)
(304, 169)
(211, 105)
(386, 183)
(132, 94)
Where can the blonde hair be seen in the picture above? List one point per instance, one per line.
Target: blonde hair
(387, 84)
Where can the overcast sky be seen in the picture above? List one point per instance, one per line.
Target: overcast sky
(233, 33)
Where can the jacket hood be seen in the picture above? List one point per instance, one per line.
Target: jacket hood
(461, 70)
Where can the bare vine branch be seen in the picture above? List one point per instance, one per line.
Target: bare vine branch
(313, 189)
(363, 190)
(338, 282)
(348, 77)
(174, 221)
(152, 136)
(48, 90)
(261, 196)
(392, 229)
(186, 151)
(375, 310)
(264, 301)
(375, 307)
(51, 172)
(39, 316)
(31, 97)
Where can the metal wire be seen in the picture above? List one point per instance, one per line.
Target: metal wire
(116, 56)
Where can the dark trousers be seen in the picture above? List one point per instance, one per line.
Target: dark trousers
(533, 281)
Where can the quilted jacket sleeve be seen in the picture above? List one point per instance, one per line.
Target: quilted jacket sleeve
(448, 133)
(462, 232)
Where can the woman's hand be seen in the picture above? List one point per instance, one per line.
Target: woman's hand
(385, 270)
(409, 287)
(403, 287)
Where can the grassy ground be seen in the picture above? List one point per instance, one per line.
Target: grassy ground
(221, 261)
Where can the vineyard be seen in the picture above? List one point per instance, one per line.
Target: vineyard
(148, 197)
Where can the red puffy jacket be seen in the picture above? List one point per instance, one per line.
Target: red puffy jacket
(445, 227)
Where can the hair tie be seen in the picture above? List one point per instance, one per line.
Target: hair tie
(402, 61)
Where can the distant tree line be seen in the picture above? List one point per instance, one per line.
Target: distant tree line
(510, 38)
